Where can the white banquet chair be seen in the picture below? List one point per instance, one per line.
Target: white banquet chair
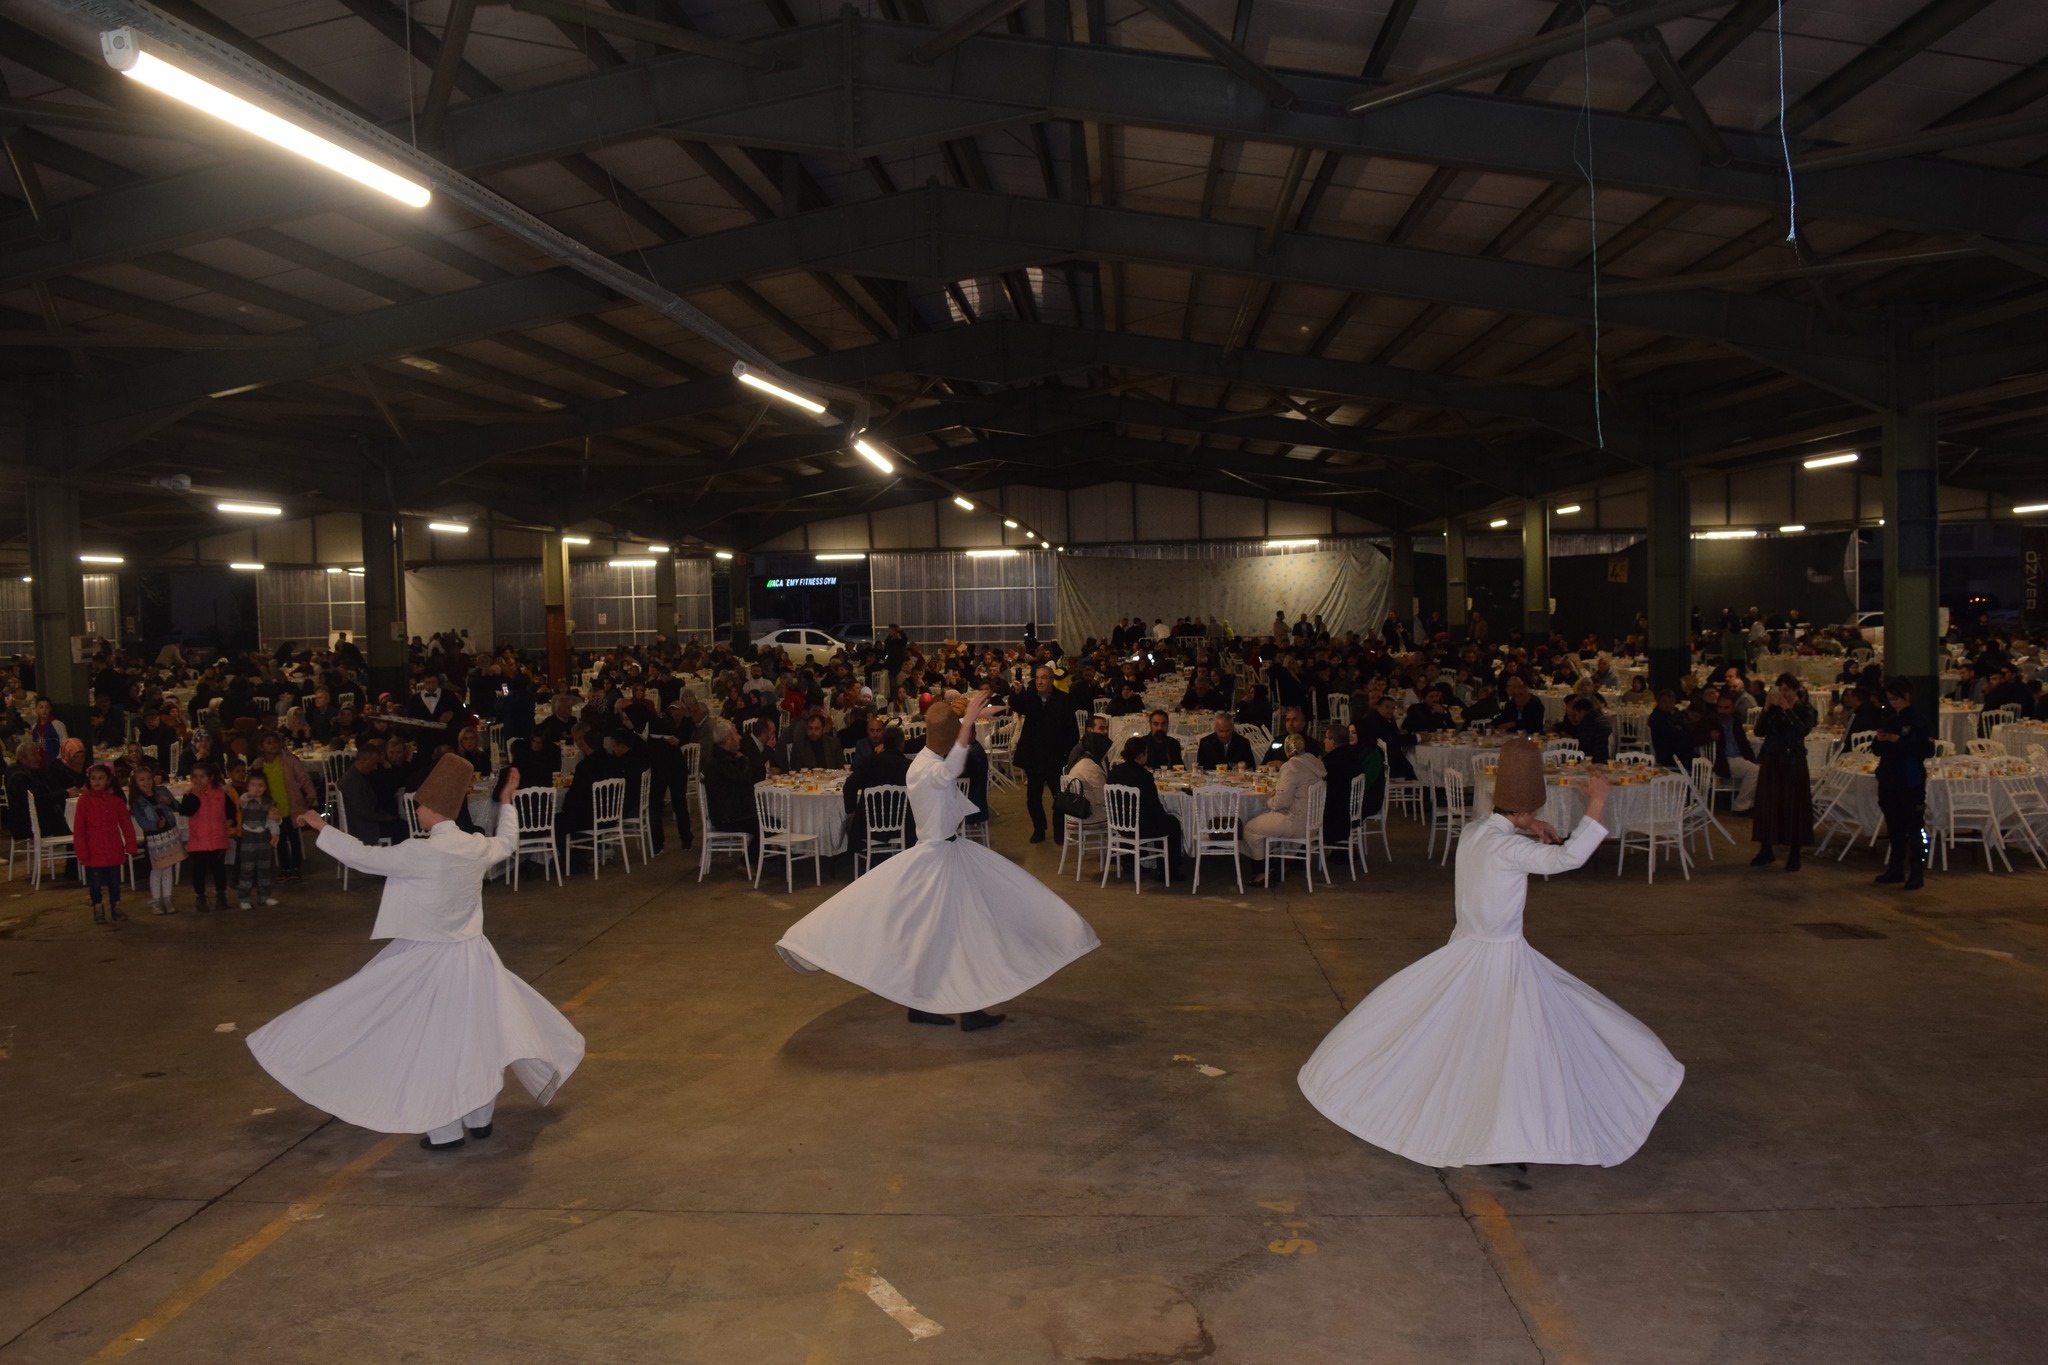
(1212, 818)
(974, 827)
(2024, 820)
(607, 825)
(45, 850)
(1402, 792)
(1972, 818)
(1832, 813)
(1354, 827)
(534, 807)
(638, 824)
(720, 840)
(1449, 816)
(1659, 821)
(883, 812)
(408, 805)
(1123, 840)
(1305, 848)
(772, 810)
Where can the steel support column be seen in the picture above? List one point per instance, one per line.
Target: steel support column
(1401, 587)
(739, 580)
(1536, 570)
(57, 599)
(554, 588)
(665, 595)
(1670, 587)
(1912, 556)
(1456, 587)
(383, 605)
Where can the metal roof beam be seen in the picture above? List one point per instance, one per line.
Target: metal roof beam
(825, 99)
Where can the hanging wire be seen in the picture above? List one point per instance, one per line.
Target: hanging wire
(1585, 166)
(1785, 138)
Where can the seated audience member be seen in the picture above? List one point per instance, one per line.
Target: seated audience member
(1154, 820)
(729, 787)
(1224, 748)
(1162, 750)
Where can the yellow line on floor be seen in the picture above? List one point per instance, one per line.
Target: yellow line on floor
(582, 997)
(1943, 938)
(847, 1296)
(249, 1248)
(1558, 1337)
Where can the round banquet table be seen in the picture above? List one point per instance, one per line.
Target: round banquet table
(1859, 797)
(1431, 760)
(817, 807)
(2015, 736)
(1959, 725)
(1815, 670)
(1176, 793)
(1564, 802)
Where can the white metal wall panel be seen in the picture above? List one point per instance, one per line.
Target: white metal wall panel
(1625, 511)
(450, 597)
(981, 527)
(1349, 525)
(840, 533)
(228, 547)
(1825, 495)
(1168, 513)
(904, 528)
(1099, 514)
(338, 538)
(514, 543)
(1226, 516)
(1297, 519)
(1044, 510)
(1760, 497)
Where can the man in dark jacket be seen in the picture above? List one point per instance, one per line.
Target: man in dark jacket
(1670, 733)
(1430, 715)
(1378, 727)
(1342, 761)
(1225, 747)
(1162, 750)
(1903, 748)
(1154, 820)
(729, 787)
(579, 808)
(1050, 729)
(885, 767)
(1521, 711)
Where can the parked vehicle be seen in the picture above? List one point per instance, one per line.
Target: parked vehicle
(803, 644)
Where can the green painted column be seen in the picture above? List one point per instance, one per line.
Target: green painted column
(1457, 588)
(1536, 570)
(56, 594)
(1670, 588)
(1912, 556)
(665, 594)
(384, 637)
(554, 590)
(1401, 586)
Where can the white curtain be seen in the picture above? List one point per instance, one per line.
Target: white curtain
(1347, 587)
(450, 597)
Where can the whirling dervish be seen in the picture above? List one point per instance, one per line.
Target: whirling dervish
(419, 1039)
(945, 927)
(1486, 1052)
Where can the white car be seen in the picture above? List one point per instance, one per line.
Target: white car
(801, 643)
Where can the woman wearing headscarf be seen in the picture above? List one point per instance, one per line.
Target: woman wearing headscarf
(1286, 814)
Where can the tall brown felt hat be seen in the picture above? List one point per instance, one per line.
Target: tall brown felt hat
(1518, 778)
(447, 786)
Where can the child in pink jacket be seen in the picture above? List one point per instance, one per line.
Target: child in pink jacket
(103, 837)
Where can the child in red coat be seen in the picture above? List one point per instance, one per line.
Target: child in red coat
(103, 836)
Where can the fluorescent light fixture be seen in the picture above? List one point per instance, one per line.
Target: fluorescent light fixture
(27, 579)
(721, 554)
(827, 559)
(962, 503)
(1497, 523)
(1792, 529)
(248, 509)
(1010, 524)
(123, 50)
(657, 549)
(2029, 508)
(1031, 535)
(453, 528)
(1726, 535)
(355, 573)
(1568, 510)
(1829, 461)
(332, 569)
(991, 554)
(874, 457)
(575, 540)
(1059, 549)
(1290, 544)
(247, 568)
(630, 563)
(101, 559)
(746, 376)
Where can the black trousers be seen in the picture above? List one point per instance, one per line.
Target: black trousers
(202, 862)
(1903, 817)
(668, 780)
(1037, 782)
(291, 852)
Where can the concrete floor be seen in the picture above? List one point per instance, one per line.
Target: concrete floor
(1851, 1173)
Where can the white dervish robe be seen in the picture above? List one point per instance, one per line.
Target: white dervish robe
(1487, 1052)
(423, 1033)
(947, 925)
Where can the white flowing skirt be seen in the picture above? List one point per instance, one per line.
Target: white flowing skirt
(947, 926)
(1487, 1052)
(418, 1038)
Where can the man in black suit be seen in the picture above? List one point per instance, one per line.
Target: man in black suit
(1903, 748)
(1521, 711)
(1154, 820)
(729, 787)
(594, 765)
(1378, 727)
(1162, 750)
(1430, 715)
(1342, 761)
(759, 748)
(1224, 747)
(1050, 730)
(1671, 736)
(885, 767)
(434, 702)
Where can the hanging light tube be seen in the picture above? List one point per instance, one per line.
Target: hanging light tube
(2028, 509)
(1291, 544)
(962, 503)
(248, 509)
(101, 559)
(992, 554)
(247, 568)
(122, 47)
(453, 528)
(874, 457)
(1828, 461)
(630, 563)
(746, 375)
(1497, 523)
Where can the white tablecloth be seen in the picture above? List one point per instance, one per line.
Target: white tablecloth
(1565, 803)
(1859, 800)
(1815, 670)
(1432, 759)
(1181, 804)
(2015, 736)
(821, 813)
(1959, 727)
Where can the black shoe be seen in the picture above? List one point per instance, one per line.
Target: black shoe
(99, 916)
(978, 1019)
(1792, 863)
(1763, 860)
(1889, 878)
(120, 915)
(480, 1133)
(429, 1145)
(920, 1017)
(1037, 836)
(1915, 882)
